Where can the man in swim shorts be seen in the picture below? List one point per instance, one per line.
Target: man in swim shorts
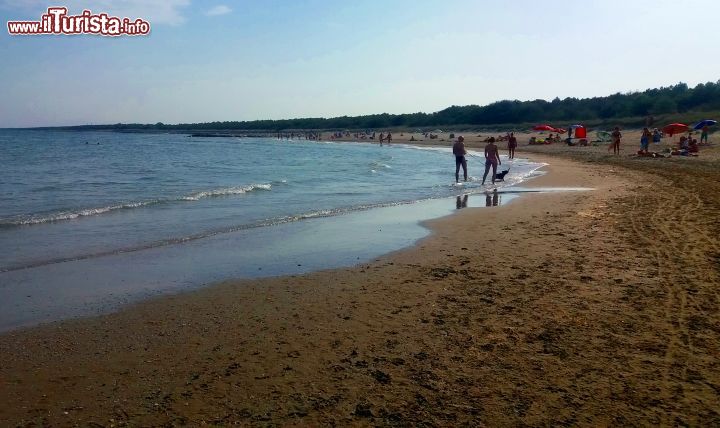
(615, 145)
(492, 158)
(512, 144)
(459, 152)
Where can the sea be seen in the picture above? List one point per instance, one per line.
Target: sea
(91, 221)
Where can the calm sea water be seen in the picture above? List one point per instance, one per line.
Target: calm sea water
(72, 202)
(61, 198)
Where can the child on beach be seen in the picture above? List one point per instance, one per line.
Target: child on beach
(656, 136)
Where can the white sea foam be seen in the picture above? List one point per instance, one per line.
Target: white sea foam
(87, 212)
(227, 191)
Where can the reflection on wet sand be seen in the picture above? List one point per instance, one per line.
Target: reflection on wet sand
(461, 203)
(492, 199)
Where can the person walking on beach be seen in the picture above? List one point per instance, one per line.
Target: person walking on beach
(704, 135)
(459, 152)
(615, 145)
(512, 143)
(492, 158)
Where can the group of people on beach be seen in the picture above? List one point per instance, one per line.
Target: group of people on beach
(316, 136)
(647, 136)
(492, 158)
(686, 146)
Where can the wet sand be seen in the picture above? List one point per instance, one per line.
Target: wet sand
(591, 308)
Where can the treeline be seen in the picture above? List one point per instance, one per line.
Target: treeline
(660, 101)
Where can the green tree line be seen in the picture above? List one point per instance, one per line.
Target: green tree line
(677, 98)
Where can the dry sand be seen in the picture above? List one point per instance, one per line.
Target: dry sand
(591, 308)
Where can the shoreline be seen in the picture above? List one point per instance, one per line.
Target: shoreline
(499, 316)
(52, 291)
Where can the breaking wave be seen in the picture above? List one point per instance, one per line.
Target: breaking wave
(87, 212)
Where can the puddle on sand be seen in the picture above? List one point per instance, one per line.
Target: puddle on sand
(499, 197)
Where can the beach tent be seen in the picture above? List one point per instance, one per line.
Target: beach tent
(604, 136)
(579, 130)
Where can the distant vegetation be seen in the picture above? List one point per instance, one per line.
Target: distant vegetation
(628, 109)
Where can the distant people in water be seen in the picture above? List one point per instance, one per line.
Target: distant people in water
(512, 144)
(492, 159)
(382, 138)
(389, 138)
(460, 161)
(615, 144)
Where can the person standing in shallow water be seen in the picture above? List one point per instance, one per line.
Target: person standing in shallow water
(459, 152)
(492, 158)
(512, 143)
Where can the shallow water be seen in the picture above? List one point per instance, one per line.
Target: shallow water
(85, 228)
(63, 199)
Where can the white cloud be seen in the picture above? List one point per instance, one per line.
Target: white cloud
(155, 11)
(218, 10)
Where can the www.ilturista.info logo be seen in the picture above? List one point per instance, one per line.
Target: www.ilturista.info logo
(57, 21)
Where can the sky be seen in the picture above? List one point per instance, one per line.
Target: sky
(274, 59)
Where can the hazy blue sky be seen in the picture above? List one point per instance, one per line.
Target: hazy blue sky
(244, 60)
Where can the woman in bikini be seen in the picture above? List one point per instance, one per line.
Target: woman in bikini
(492, 158)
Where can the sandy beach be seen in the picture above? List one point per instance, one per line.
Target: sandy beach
(574, 308)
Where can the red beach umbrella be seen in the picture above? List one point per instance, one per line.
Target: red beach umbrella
(675, 128)
(544, 128)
